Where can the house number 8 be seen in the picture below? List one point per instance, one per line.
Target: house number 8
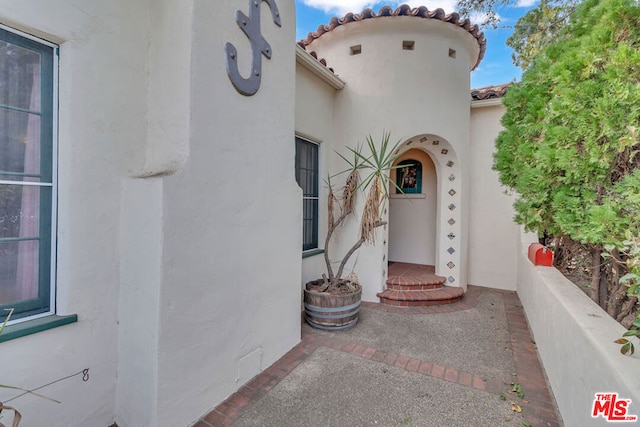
(251, 27)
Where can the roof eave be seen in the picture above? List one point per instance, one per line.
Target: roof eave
(310, 63)
(486, 103)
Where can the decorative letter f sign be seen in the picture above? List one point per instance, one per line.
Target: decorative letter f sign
(251, 27)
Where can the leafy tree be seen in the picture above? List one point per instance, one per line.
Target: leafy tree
(570, 143)
(532, 32)
(486, 8)
(537, 28)
(631, 248)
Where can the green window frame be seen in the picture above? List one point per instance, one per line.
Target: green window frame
(409, 177)
(307, 176)
(28, 191)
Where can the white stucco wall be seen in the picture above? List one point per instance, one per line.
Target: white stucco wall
(231, 265)
(575, 340)
(139, 303)
(102, 104)
(162, 152)
(180, 295)
(315, 102)
(493, 235)
(408, 93)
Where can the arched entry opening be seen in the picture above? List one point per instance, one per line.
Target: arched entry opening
(413, 215)
(425, 234)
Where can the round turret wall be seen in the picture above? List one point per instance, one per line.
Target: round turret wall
(409, 76)
(402, 70)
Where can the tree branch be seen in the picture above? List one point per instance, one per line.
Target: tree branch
(326, 244)
(353, 249)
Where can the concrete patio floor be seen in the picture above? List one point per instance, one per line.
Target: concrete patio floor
(449, 365)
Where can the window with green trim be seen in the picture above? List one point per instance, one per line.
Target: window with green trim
(27, 174)
(307, 176)
(409, 177)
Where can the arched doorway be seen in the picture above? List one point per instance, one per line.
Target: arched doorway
(413, 215)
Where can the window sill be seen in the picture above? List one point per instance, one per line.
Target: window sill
(409, 196)
(29, 327)
(312, 252)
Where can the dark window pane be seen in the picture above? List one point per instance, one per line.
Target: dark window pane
(19, 76)
(307, 177)
(19, 281)
(19, 142)
(20, 210)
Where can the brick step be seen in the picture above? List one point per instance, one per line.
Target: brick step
(421, 298)
(415, 283)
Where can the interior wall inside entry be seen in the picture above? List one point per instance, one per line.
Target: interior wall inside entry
(412, 216)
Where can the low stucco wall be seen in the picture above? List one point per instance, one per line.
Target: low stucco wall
(575, 338)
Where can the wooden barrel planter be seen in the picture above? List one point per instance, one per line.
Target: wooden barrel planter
(331, 312)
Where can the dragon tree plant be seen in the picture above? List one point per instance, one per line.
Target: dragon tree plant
(368, 172)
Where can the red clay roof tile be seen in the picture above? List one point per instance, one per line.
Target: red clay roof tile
(489, 92)
(403, 10)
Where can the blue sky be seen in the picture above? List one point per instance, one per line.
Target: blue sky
(495, 68)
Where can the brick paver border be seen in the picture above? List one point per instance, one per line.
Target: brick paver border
(540, 409)
(538, 406)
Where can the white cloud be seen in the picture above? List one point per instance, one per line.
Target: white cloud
(526, 3)
(478, 17)
(341, 7)
(447, 5)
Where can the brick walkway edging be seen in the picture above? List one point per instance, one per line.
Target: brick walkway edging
(540, 409)
(538, 406)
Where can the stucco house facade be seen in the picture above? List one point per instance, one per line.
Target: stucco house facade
(407, 72)
(174, 259)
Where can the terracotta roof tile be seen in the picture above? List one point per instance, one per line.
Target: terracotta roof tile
(403, 10)
(489, 92)
(314, 54)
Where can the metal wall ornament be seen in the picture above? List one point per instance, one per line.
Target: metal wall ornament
(250, 25)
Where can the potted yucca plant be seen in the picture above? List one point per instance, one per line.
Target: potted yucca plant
(333, 302)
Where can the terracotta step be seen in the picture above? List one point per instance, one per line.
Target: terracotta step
(405, 276)
(415, 283)
(421, 298)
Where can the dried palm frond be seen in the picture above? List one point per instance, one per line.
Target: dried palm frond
(349, 192)
(17, 417)
(371, 212)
